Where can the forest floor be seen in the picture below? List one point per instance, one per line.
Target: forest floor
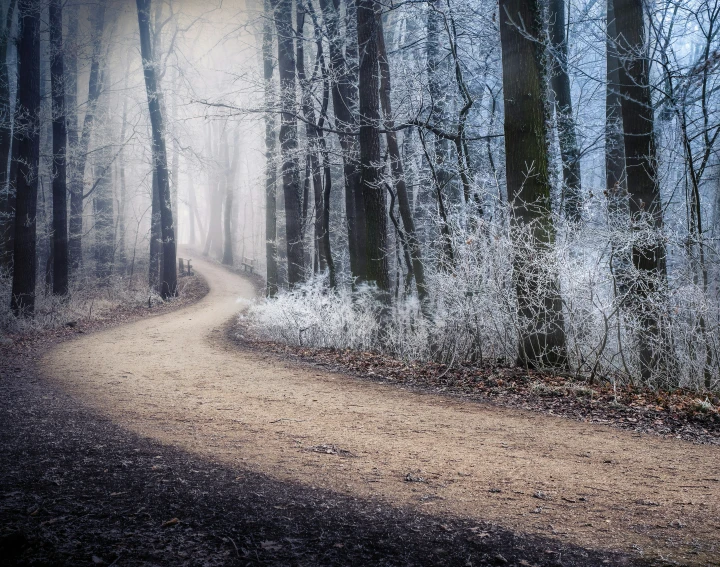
(161, 442)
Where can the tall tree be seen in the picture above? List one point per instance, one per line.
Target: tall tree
(396, 164)
(288, 140)
(213, 238)
(6, 207)
(270, 156)
(313, 134)
(27, 137)
(324, 151)
(370, 174)
(436, 68)
(169, 272)
(155, 260)
(344, 90)
(193, 210)
(615, 182)
(80, 148)
(122, 200)
(560, 82)
(231, 168)
(70, 62)
(101, 192)
(542, 332)
(649, 257)
(59, 183)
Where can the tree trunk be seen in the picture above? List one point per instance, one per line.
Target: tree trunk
(230, 180)
(313, 134)
(353, 78)
(615, 182)
(71, 122)
(396, 165)
(560, 82)
(288, 140)
(323, 149)
(80, 149)
(270, 156)
(227, 257)
(59, 183)
(27, 138)
(175, 162)
(213, 239)
(642, 182)
(440, 148)
(169, 273)
(104, 226)
(370, 174)
(213, 235)
(154, 268)
(6, 210)
(193, 210)
(344, 99)
(122, 201)
(542, 332)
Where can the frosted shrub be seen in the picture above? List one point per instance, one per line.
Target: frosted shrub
(473, 307)
(313, 315)
(473, 315)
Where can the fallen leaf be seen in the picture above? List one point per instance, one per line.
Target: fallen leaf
(677, 524)
(411, 477)
(270, 545)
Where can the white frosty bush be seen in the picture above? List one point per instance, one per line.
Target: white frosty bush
(313, 315)
(472, 313)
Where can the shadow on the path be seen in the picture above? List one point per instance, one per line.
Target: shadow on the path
(76, 489)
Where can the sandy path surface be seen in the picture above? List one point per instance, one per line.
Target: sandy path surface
(174, 379)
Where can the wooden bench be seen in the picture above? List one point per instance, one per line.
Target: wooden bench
(181, 266)
(248, 265)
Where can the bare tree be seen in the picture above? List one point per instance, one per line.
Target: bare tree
(313, 134)
(345, 100)
(370, 175)
(169, 273)
(270, 156)
(649, 257)
(6, 206)
(80, 149)
(59, 173)
(27, 137)
(560, 81)
(396, 165)
(542, 333)
(231, 168)
(288, 139)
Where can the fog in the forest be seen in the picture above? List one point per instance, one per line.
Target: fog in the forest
(209, 69)
(520, 182)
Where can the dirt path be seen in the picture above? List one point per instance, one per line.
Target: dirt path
(174, 379)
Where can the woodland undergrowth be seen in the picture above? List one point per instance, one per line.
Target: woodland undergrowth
(472, 314)
(88, 299)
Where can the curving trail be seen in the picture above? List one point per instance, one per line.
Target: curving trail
(174, 379)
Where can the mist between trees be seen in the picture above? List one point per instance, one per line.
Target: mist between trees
(469, 181)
